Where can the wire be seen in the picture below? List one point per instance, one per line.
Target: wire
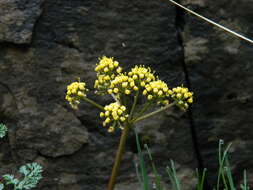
(213, 23)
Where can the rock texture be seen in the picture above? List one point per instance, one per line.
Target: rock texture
(46, 44)
(17, 20)
(220, 71)
(67, 38)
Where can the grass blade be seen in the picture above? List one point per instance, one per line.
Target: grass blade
(201, 179)
(173, 176)
(157, 176)
(222, 158)
(244, 186)
(143, 170)
(229, 174)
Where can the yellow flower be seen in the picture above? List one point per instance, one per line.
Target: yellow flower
(75, 92)
(122, 84)
(136, 88)
(114, 114)
(190, 100)
(115, 90)
(107, 113)
(142, 83)
(127, 91)
(106, 64)
(150, 97)
(157, 91)
(138, 77)
(106, 69)
(182, 97)
(141, 75)
(119, 70)
(111, 129)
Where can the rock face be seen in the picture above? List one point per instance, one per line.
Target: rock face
(62, 40)
(220, 71)
(67, 38)
(17, 20)
(46, 44)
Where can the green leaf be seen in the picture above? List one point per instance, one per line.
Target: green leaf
(10, 179)
(222, 163)
(244, 186)
(3, 130)
(201, 179)
(144, 175)
(173, 176)
(229, 174)
(32, 175)
(157, 176)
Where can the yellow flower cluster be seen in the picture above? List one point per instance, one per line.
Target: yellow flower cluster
(103, 82)
(182, 96)
(122, 84)
(106, 70)
(115, 114)
(75, 91)
(141, 75)
(138, 77)
(157, 91)
(107, 65)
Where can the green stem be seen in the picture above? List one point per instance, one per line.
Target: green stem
(154, 113)
(134, 104)
(118, 158)
(116, 100)
(93, 103)
(144, 109)
(123, 100)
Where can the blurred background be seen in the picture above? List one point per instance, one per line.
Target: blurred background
(47, 44)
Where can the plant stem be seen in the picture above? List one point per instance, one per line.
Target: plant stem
(118, 158)
(134, 104)
(154, 113)
(93, 103)
(144, 109)
(114, 97)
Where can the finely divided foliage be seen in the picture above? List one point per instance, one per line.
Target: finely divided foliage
(3, 130)
(31, 173)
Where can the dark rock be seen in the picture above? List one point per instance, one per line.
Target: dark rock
(17, 20)
(76, 152)
(59, 133)
(220, 71)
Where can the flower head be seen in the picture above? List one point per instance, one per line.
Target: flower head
(106, 69)
(122, 84)
(75, 92)
(114, 114)
(141, 75)
(157, 91)
(182, 96)
(107, 65)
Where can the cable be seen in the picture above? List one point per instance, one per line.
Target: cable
(213, 23)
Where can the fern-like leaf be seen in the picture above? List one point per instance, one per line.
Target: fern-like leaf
(3, 130)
